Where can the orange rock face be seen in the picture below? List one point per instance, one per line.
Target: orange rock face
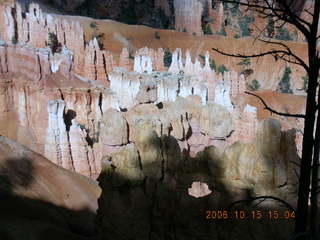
(74, 106)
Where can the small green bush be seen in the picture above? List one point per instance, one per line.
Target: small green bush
(283, 34)
(244, 62)
(270, 27)
(100, 40)
(236, 36)
(222, 31)
(247, 72)
(14, 40)
(213, 65)
(207, 29)
(211, 20)
(305, 83)
(93, 25)
(244, 25)
(165, 20)
(284, 84)
(167, 58)
(157, 35)
(235, 9)
(222, 68)
(53, 42)
(254, 85)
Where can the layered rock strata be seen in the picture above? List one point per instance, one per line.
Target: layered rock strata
(67, 104)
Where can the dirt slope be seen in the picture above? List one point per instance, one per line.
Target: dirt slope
(39, 200)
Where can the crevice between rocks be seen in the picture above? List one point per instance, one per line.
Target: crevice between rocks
(40, 68)
(15, 24)
(100, 102)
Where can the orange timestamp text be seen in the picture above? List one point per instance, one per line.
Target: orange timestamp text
(245, 214)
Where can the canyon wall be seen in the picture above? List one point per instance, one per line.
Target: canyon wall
(79, 104)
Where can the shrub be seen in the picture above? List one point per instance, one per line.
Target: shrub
(284, 35)
(207, 29)
(100, 40)
(167, 58)
(211, 20)
(235, 9)
(227, 22)
(14, 40)
(284, 84)
(222, 68)
(247, 72)
(53, 42)
(270, 27)
(236, 36)
(254, 85)
(222, 31)
(305, 83)
(165, 20)
(93, 25)
(157, 35)
(244, 25)
(213, 65)
(244, 62)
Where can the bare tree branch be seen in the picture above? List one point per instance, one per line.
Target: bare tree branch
(251, 199)
(289, 52)
(298, 164)
(297, 175)
(308, 11)
(265, 8)
(274, 111)
(277, 54)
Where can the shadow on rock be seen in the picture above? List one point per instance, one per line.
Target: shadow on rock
(153, 190)
(25, 218)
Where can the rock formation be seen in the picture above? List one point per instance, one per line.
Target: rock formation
(145, 186)
(168, 143)
(68, 103)
(188, 16)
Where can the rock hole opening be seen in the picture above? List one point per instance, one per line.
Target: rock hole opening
(123, 109)
(68, 117)
(159, 105)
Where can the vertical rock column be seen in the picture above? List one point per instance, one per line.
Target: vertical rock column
(3, 59)
(57, 143)
(188, 16)
(81, 152)
(124, 59)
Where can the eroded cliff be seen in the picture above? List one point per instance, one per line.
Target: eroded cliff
(66, 104)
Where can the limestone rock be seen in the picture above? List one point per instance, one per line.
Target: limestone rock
(114, 129)
(82, 154)
(126, 87)
(57, 143)
(170, 177)
(188, 16)
(124, 59)
(199, 189)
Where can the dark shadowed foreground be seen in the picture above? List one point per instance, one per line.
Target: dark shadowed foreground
(39, 200)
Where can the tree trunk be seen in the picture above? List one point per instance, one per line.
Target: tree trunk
(308, 141)
(315, 176)
(305, 169)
